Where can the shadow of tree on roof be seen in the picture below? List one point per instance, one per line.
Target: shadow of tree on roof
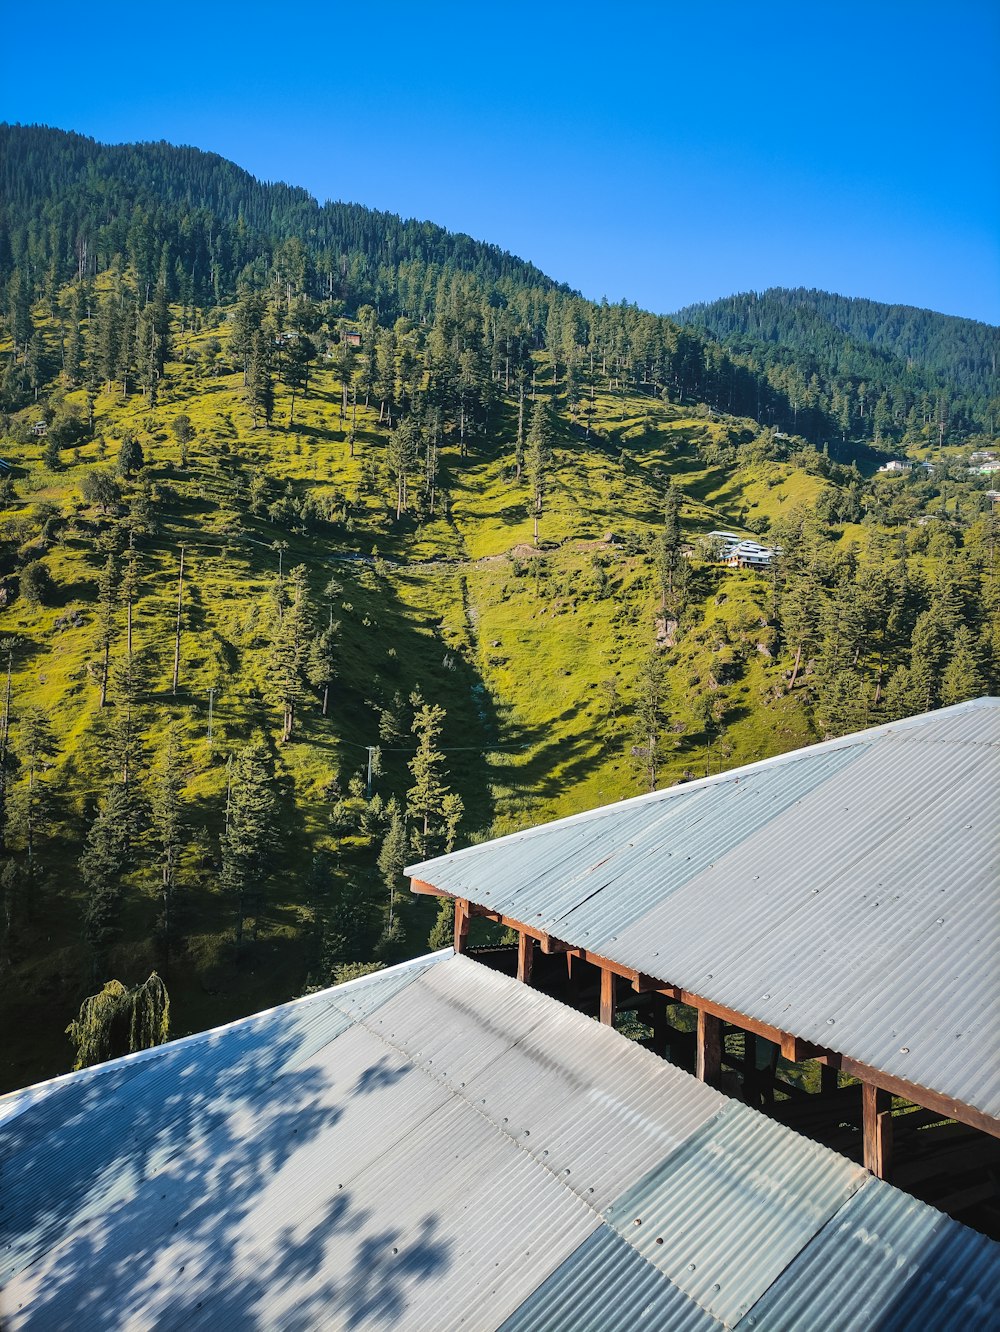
(202, 1183)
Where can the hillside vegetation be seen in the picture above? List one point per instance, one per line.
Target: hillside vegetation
(452, 531)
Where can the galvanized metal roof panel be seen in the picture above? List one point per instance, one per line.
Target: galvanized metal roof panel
(727, 1212)
(839, 924)
(432, 1163)
(909, 1267)
(606, 1286)
(827, 893)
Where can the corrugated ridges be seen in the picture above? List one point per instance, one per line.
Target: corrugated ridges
(838, 920)
(63, 1160)
(908, 1267)
(458, 1148)
(732, 1206)
(605, 1285)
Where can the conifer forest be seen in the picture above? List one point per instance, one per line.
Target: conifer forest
(330, 541)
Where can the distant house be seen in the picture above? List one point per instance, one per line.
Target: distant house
(5, 467)
(982, 455)
(39, 428)
(738, 552)
(896, 466)
(993, 496)
(353, 338)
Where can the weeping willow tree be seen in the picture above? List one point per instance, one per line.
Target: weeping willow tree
(119, 1021)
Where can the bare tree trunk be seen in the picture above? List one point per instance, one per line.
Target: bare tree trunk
(795, 668)
(177, 635)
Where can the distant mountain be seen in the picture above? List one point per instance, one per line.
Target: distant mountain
(841, 373)
(892, 348)
(64, 193)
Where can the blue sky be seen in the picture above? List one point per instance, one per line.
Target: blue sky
(664, 153)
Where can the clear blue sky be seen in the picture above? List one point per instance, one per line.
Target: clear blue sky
(664, 153)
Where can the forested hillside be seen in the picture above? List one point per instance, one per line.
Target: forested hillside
(329, 540)
(889, 374)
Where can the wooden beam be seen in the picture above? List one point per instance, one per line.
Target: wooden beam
(643, 984)
(553, 945)
(418, 886)
(945, 1106)
(876, 1129)
(709, 1056)
(525, 957)
(608, 996)
(750, 1067)
(461, 925)
(795, 1049)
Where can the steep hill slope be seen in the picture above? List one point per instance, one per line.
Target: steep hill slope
(184, 761)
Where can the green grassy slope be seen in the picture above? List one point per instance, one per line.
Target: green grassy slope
(534, 652)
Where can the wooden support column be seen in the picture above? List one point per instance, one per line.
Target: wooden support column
(750, 1093)
(461, 925)
(573, 965)
(660, 1026)
(608, 996)
(709, 1059)
(525, 956)
(876, 1129)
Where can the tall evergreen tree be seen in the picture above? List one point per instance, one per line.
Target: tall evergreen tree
(248, 840)
(538, 459)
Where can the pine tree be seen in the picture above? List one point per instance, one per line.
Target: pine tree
(169, 828)
(32, 799)
(650, 715)
(107, 618)
(424, 800)
(106, 859)
(537, 459)
(401, 455)
(322, 664)
(291, 643)
(667, 551)
(392, 856)
(248, 840)
(130, 455)
(259, 392)
(963, 677)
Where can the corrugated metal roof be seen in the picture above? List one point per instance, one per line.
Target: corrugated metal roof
(437, 1146)
(828, 892)
(726, 1213)
(908, 1268)
(606, 1284)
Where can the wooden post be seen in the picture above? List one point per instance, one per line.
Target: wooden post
(608, 996)
(750, 1093)
(876, 1129)
(709, 1061)
(828, 1081)
(525, 956)
(573, 965)
(461, 925)
(660, 1025)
